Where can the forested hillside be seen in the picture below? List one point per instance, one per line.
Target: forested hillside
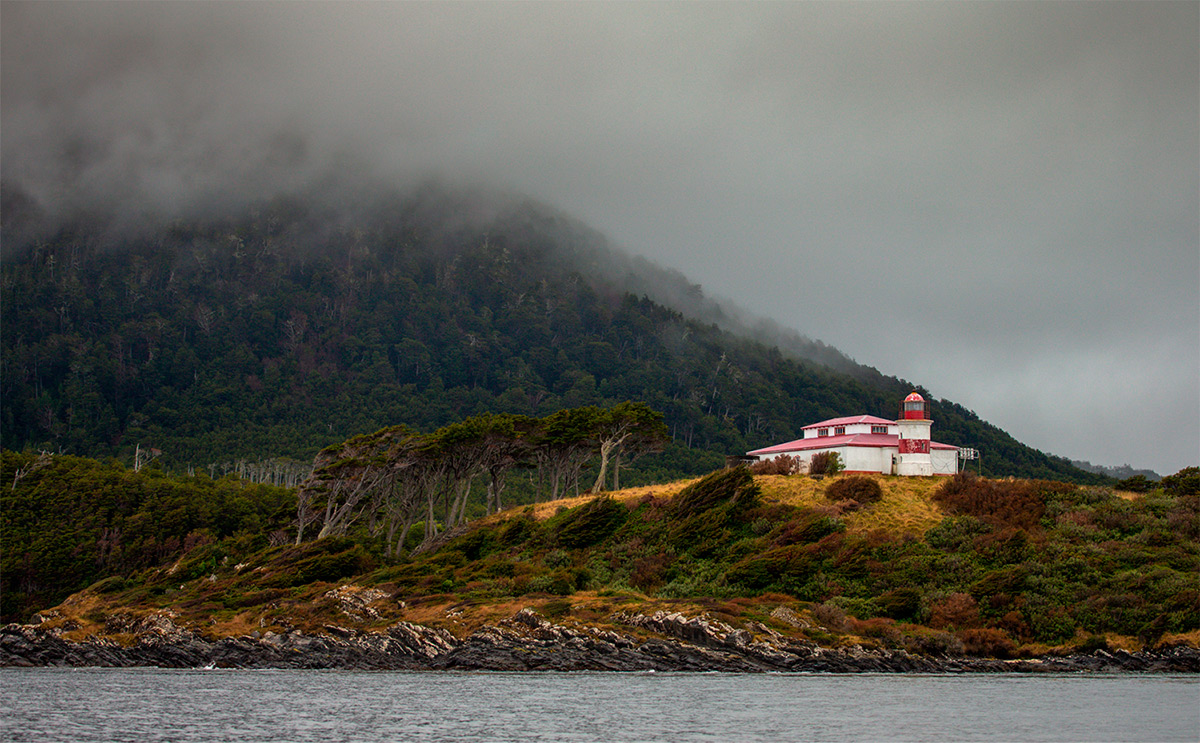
(270, 334)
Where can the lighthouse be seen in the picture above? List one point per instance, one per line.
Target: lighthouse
(866, 443)
(913, 457)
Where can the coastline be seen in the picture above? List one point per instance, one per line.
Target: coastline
(526, 641)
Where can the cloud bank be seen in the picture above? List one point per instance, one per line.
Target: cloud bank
(996, 200)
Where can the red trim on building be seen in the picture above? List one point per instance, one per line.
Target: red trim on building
(875, 440)
(851, 420)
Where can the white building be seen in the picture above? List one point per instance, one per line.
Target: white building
(865, 443)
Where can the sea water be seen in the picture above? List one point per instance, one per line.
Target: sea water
(46, 705)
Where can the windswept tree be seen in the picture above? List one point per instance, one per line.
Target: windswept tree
(630, 427)
(507, 442)
(407, 495)
(563, 444)
(396, 476)
(350, 477)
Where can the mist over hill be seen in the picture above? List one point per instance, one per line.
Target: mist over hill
(276, 327)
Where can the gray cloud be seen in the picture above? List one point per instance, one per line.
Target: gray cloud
(997, 200)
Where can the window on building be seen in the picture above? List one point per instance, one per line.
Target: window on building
(878, 429)
(822, 431)
(839, 431)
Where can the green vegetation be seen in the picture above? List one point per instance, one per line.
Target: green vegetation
(66, 522)
(1010, 568)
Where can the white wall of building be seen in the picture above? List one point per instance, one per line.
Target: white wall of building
(945, 461)
(867, 459)
(877, 459)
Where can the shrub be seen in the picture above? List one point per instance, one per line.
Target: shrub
(811, 527)
(734, 486)
(1015, 503)
(649, 573)
(476, 544)
(901, 603)
(1093, 643)
(879, 627)
(591, 523)
(1184, 482)
(857, 608)
(856, 488)
(987, 642)
(932, 643)
(1136, 484)
(781, 465)
(825, 463)
(517, 530)
(558, 583)
(956, 533)
(956, 610)
(830, 615)
(758, 571)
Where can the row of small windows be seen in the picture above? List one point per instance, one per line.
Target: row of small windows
(841, 430)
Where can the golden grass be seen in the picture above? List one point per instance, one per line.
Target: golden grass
(907, 506)
(543, 511)
(1191, 639)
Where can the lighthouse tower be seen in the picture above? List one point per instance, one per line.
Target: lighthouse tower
(914, 424)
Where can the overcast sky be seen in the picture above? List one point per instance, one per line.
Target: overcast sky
(999, 201)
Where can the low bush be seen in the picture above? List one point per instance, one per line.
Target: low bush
(900, 603)
(781, 465)
(1184, 482)
(805, 529)
(956, 533)
(855, 607)
(830, 615)
(932, 643)
(825, 463)
(987, 642)
(1015, 503)
(590, 523)
(733, 486)
(958, 610)
(855, 488)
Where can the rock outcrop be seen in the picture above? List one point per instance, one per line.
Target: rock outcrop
(525, 642)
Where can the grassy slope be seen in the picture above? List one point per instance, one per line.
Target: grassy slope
(1100, 568)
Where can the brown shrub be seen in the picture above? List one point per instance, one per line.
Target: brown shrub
(1014, 503)
(649, 573)
(933, 643)
(857, 488)
(830, 616)
(825, 463)
(956, 610)
(781, 465)
(881, 627)
(987, 642)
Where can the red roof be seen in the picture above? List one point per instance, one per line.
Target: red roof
(851, 420)
(914, 397)
(877, 440)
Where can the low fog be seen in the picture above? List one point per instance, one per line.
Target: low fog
(998, 201)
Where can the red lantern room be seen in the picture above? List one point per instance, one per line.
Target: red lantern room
(914, 407)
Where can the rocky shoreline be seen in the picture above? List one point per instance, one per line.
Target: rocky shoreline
(528, 642)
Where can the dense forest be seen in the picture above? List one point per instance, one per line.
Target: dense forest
(249, 342)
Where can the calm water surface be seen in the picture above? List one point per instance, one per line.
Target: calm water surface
(46, 705)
